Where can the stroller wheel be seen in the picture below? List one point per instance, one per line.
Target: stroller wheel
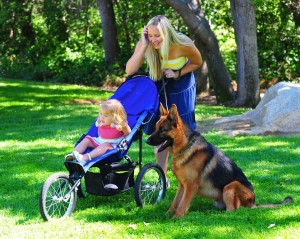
(81, 192)
(150, 185)
(56, 199)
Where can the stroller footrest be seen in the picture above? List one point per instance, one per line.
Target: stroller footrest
(119, 166)
(74, 167)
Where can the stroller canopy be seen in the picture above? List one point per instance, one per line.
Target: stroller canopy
(137, 94)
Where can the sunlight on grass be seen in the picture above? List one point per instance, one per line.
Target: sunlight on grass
(204, 111)
(41, 122)
(12, 144)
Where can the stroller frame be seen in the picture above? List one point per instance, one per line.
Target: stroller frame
(59, 192)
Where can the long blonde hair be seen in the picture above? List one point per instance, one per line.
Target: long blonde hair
(116, 109)
(170, 37)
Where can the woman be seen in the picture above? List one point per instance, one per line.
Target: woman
(171, 57)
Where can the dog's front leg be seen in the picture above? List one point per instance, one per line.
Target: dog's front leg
(177, 199)
(189, 192)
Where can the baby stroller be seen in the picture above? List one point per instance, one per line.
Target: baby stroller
(59, 193)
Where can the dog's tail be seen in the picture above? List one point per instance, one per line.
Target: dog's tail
(272, 205)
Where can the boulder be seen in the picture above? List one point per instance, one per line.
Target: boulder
(277, 113)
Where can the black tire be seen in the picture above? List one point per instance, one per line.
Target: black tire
(150, 185)
(81, 192)
(53, 204)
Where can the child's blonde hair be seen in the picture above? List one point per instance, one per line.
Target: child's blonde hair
(116, 109)
(170, 37)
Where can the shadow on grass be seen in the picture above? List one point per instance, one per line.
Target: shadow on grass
(38, 129)
(36, 92)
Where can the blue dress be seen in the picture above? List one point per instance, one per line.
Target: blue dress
(182, 93)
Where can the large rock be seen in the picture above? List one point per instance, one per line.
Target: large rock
(277, 113)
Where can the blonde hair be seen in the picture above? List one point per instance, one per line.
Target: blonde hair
(170, 37)
(116, 109)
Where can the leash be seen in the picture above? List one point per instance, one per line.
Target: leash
(163, 88)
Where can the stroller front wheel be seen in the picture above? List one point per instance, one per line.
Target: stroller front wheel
(150, 185)
(57, 200)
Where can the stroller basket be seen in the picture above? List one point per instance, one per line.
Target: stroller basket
(121, 175)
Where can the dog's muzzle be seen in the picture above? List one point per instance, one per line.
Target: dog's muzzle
(164, 143)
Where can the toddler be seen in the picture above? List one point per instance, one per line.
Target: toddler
(112, 127)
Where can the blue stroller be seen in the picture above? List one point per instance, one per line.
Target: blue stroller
(59, 193)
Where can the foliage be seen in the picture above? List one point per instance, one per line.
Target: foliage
(278, 41)
(61, 41)
(40, 123)
(219, 16)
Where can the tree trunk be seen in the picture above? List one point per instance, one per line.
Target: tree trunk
(295, 8)
(192, 15)
(247, 61)
(201, 75)
(109, 30)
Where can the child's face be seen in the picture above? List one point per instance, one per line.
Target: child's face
(105, 117)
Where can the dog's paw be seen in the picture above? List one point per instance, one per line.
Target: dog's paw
(178, 215)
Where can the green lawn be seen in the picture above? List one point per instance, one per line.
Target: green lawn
(40, 123)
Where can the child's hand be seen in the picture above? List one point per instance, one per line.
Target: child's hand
(119, 127)
(98, 122)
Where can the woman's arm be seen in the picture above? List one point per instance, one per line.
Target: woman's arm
(194, 57)
(137, 59)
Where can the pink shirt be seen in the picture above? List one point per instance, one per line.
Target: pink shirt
(108, 132)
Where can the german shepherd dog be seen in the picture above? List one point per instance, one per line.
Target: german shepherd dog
(201, 168)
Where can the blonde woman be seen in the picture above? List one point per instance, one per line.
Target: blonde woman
(112, 127)
(171, 57)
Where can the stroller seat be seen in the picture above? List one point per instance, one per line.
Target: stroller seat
(139, 97)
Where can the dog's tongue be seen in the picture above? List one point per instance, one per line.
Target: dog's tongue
(165, 145)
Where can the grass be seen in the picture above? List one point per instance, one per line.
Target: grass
(40, 123)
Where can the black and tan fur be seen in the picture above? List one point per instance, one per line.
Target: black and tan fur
(200, 167)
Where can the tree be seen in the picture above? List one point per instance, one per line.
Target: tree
(295, 8)
(247, 61)
(192, 15)
(109, 30)
(17, 31)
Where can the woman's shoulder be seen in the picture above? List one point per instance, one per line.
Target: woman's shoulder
(179, 51)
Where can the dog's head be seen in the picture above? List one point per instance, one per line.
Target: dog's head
(164, 130)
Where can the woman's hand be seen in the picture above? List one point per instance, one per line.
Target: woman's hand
(170, 73)
(145, 39)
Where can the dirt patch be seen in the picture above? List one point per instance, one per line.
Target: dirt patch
(206, 99)
(85, 102)
(207, 125)
(237, 127)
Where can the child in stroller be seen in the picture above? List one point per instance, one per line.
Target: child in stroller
(58, 196)
(112, 127)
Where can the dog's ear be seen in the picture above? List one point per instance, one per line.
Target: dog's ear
(173, 114)
(162, 110)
